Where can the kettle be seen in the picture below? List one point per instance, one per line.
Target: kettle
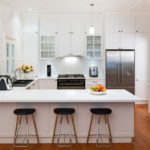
(5, 82)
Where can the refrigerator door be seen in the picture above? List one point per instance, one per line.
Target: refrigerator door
(112, 69)
(127, 69)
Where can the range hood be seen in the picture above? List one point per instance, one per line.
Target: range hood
(71, 55)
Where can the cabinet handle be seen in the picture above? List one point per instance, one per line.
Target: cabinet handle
(56, 32)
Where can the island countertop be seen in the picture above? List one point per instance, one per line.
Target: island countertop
(71, 96)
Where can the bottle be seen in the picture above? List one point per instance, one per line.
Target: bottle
(49, 70)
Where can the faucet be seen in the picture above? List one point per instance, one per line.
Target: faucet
(14, 78)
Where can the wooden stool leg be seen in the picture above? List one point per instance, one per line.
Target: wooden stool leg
(54, 129)
(90, 129)
(74, 128)
(35, 129)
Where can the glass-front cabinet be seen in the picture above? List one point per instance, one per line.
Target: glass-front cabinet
(48, 46)
(93, 47)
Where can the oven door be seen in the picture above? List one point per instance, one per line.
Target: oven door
(70, 87)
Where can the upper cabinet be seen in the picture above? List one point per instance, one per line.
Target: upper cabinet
(119, 24)
(143, 25)
(70, 38)
(93, 46)
(120, 33)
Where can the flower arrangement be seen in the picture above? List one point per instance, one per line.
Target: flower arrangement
(26, 68)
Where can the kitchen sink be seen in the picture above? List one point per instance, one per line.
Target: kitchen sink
(21, 83)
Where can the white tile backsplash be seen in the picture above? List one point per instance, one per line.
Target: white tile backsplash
(70, 65)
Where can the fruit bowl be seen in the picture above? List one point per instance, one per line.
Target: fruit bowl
(98, 90)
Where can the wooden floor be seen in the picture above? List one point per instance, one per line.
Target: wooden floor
(141, 140)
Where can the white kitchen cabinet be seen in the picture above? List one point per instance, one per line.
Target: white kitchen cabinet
(142, 70)
(64, 45)
(77, 44)
(120, 40)
(70, 38)
(48, 25)
(48, 83)
(119, 24)
(93, 46)
(48, 46)
(44, 84)
(143, 24)
(93, 81)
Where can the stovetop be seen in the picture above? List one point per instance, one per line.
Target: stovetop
(71, 76)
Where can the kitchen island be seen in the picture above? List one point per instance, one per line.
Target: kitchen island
(120, 101)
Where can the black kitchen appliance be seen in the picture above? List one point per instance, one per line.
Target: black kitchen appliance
(71, 81)
(5, 82)
(93, 71)
(49, 70)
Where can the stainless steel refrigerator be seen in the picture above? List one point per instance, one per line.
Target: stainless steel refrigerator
(120, 69)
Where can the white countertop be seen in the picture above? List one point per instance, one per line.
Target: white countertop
(24, 95)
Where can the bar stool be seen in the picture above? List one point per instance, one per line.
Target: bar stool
(101, 112)
(22, 112)
(60, 114)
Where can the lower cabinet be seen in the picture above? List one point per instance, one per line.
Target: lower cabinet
(93, 81)
(44, 84)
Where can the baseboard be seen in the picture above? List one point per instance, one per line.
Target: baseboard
(142, 102)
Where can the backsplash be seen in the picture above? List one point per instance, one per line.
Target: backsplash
(70, 65)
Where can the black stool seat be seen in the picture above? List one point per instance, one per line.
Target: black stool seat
(64, 111)
(24, 111)
(101, 111)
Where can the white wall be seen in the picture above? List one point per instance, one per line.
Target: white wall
(71, 65)
(10, 26)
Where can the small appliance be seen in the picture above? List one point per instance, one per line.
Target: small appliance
(49, 70)
(93, 71)
(71, 81)
(5, 82)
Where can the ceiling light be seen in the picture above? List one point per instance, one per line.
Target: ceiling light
(29, 9)
(91, 29)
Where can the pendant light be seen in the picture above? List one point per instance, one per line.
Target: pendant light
(92, 29)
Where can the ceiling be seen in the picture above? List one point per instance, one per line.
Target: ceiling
(79, 6)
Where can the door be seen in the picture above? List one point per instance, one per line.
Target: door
(127, 69)
(112, 69)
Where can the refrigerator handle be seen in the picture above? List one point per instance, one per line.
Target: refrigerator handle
(118, 72)
(122, 73)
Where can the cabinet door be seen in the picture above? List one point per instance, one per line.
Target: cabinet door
(77, 44)
(48, 25)
(64, 27)
(64, 44)
(77, 37)
(112, 40)
(112, 25)
(143, 25)
(47, 84)
(128, 40)
(127, 24)
(142, 64)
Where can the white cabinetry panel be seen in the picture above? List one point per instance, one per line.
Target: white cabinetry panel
(112, 41)
(120, 24)
(143, 24)
(142, 70)
(64, 44)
